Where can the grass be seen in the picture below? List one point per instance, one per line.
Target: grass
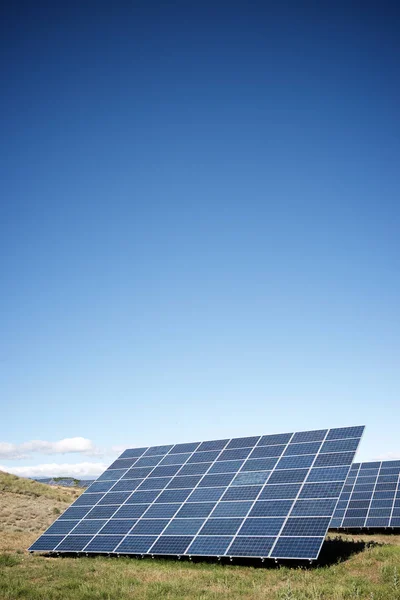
(363, 567)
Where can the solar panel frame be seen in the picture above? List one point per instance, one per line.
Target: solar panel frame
(369, 496)
(239, 485)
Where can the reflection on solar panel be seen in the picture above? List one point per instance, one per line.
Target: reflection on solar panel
(270, 496)
(370, 496)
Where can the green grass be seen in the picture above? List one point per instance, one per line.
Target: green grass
(372, 572)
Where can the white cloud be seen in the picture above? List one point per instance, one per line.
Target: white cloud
(80, 470)
(11, 451)
(76, 444)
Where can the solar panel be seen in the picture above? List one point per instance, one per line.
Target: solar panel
(270, 496)
(370, 497)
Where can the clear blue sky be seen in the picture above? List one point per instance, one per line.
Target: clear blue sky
(199, 223)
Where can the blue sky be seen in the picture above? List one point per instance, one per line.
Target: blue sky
(199, 226)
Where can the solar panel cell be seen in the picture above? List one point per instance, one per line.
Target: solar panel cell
(306, 526)
(245, 492)
(135, 544)
(226, 466)
(171, 544)
(203, 457)
(126, 485)
(143, 497)
(175, 459)
(182, 448)
(274, 439)
(271, 508)
(282, 492)
(130, 511)
(184, 526)
(288, 476)
(75, 513)
(340, 445)
(209, 546)
(156, 483)
(345, 432)
(75, 543)
(61, 527)
(162, 511)
(304, 448)
(296, 462)
(101, 512)
(165, 471)
(310, 436)
(195, 469)
(251, 546)
(104, 543)
(234, 454)
(299, 547)
(101, 486)
(225, 526)
(138, 472)
(148, 461)
(123, 463)
(88, 499)
(114, 498)
(149, 526)
(206, 494)
(213, 445)
(216, 480)
(243, 442)
(259, 464)
(221, 526)
(267, 451)
(334, 459)
(261, 526)
(118, 526)
(232, 509)
(190, 481)
(89, 526)
(327, 474)
(173, 496)
(112, 475)
(133, 452)
(47, 542)
(315, 508)
(321, 490)
(251, 478)
(196, 509)
(158, 450)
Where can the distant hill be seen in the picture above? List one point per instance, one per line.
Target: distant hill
(64, 481)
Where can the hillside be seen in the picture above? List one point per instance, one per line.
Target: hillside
(27, 508)
(365, 567)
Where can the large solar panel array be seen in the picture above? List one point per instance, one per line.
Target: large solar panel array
(263, 496)
(370, 496)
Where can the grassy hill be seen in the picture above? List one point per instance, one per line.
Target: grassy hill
(27, 508)
(350, 567)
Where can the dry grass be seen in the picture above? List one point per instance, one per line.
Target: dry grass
(29, 507)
